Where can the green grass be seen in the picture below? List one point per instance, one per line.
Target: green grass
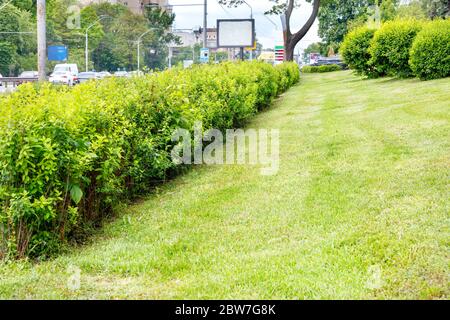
(363, 190)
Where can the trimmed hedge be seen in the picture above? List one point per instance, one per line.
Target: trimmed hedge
(430, 52)
(321, 69)
(68, 156)
(355, 50)
(390, 48)
(400, 48)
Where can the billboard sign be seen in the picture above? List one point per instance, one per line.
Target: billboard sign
(235, 33)
(57, 53)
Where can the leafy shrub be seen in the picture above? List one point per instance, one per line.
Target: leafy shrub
(289, 75)
(355, 49)
(390, 48)
(321, 69)
(68, 156)
(430, 52)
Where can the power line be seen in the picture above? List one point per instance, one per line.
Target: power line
(7, 32)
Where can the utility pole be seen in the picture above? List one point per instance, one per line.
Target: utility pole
(205, 25)
(251, 17)
(41, 39)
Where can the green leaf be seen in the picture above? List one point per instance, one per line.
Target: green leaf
(76, 194)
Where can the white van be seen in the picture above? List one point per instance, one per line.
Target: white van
(69, 72)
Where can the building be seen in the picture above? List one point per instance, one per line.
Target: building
(211, 38)
(187, 38)
(136, 6)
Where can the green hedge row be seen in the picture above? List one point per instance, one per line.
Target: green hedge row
(321, 69)
(401, 48)
(68, 156)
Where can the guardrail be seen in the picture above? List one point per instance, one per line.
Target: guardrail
(15, 81)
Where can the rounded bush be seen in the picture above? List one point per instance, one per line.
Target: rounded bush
(430, 52)
(355, 49)
(390, 48)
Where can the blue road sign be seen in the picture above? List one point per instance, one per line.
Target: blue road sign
(57, 53)
(204, 55)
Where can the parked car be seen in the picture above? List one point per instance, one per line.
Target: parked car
(86, 76)
(327, 61)
(28, 75)
(62, 77)
(68, 68)
(136, 73)
(121, 74)
(104, 74)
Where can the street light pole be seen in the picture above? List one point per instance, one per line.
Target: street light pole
(86, 51)
(205, 25)
(139, 56)
(41, 39)
(139, 48)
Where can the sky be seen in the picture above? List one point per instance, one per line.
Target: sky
(267, 33)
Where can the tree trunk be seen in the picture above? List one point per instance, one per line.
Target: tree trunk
(291, 40)
(289, 51)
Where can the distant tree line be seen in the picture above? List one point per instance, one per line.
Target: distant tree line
(112, 41)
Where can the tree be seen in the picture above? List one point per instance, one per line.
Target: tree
(112, 41)
(118, 47)
(11, 43)
(7, 53)
(414, 9)
(388, 10)
(337, 15)
(317, 47)
(157, 50)
(437, 8)
(285, 9)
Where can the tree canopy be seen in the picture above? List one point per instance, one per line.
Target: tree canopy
(112, 41)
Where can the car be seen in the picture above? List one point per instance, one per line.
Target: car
(327, 61)
(62, 77)
(121, 74)
(104, 74)
(70, 68)
(28, 75)
(136, 73)
(86, 76)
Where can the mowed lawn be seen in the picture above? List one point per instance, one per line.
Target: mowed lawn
(359, 209)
